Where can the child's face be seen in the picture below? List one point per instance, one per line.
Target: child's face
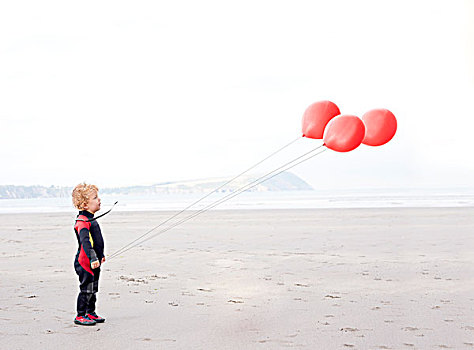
(93, 204)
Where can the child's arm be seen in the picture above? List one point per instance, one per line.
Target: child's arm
(84, 238)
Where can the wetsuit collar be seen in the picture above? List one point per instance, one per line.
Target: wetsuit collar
(86, 213)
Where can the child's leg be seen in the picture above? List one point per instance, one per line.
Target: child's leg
(90, 309)
(82, 301)
(86, 280)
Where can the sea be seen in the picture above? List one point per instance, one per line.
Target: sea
(339, 198)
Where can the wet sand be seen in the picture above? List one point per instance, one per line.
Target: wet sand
(257, 279)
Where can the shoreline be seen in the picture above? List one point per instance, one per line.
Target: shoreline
(171, 212)
(255, 201)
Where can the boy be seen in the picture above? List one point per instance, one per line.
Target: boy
(90, 253)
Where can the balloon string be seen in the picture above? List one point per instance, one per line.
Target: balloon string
(242, 189)
(236, 193)
(119, 251)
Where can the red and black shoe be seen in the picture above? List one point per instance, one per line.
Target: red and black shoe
(84, 321)
(93, 316)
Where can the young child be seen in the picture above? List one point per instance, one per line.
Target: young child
(90, 253)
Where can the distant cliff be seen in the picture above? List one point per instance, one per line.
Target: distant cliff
(12, 192)
(284, 182)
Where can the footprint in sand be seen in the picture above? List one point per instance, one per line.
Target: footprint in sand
(235, 301)
(301, 285)
(349, 329)
(332, 296)
(155, 276)
(167, 340)
(127, 279)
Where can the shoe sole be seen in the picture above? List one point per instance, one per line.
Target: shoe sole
(85, 324)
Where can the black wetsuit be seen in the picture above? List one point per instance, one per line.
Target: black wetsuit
(91, 248)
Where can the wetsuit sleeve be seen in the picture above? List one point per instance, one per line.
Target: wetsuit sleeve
(86, 244)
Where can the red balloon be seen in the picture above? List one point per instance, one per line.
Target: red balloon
(344, 133)
(316, 117)
(380, 125)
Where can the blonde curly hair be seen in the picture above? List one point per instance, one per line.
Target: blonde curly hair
(81, 194)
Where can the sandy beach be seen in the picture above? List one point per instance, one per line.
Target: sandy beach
(256, 279)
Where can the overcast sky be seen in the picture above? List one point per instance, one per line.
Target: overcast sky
(120, 92)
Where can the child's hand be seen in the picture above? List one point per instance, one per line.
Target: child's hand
(103, 260)
(95, 264)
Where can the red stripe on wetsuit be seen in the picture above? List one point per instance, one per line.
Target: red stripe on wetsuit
(84, 259)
